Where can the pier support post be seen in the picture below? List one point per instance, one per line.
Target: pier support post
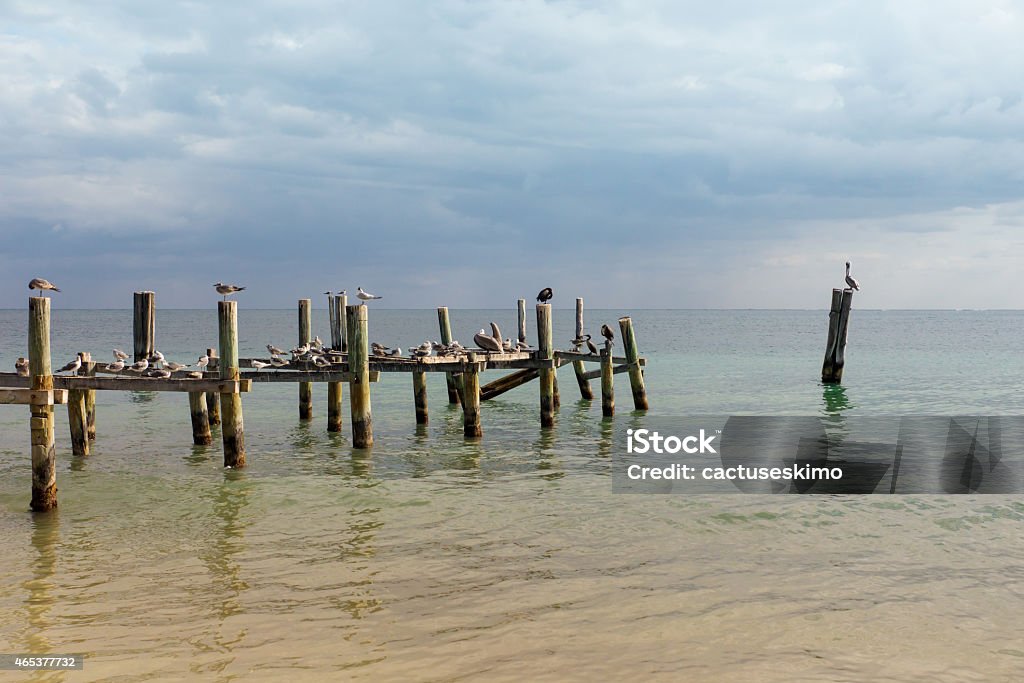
(471, 426)
(144, 325)
(359, 386)
(521, 317)
(212, 399)
(332, 314)
(339, 326)
(636, 373)
(453, 381)
(545, 351)
(78, 420)
(201, 435)
(577, 365)
(607, 384)
(88, 369)
(305, 336)
(419, 394)
(44, 470)
(835, 348)
(232, 428)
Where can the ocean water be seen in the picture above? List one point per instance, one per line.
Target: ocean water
(433, 558)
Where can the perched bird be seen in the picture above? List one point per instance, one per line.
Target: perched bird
(343, 292)
(329, 293)
(321, 362)
(423, 350)
(174, 367)
(159, 374)
(278, 362)
(396, 352)
(116, 366)
(300, 350)
(579, 341)
(41, 284)
(140, 367)
(496, 332)
(156, 357)
(274, 351)
(120, 355)
(318, 343)
(195, 375)
(523, 346)
(21, 367)
(202, 362)
(365, 296)
(591, 346)
(506, 345)
(73, 366)
(851, 283)
(226, 289)
(259, 365)
(486, 341)
(545, 295)
(607, 333)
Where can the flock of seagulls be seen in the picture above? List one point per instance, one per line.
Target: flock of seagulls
(155, 365)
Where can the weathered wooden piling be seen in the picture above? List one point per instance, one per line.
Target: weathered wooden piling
(607, 384)
(232, 428)
(212, 399)
(305, 337)
(88, 369)
(578, 366)
(636, 373)
(471, 426)
(44, 471)
(545, 351)
(419, 394)
(144, 325)
(521, 317)
(337, 304)
(359, 385)
(453, 381)
(201, 435)
(78, 419)
(835, 347)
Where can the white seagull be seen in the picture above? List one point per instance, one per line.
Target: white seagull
(141, 366)
(116, 366)
(21, 366)
(203, 362)
(41, 284)
(120, 355)
(226, 289)
(365, 296)
(174, 367)
(73, 366)
(851, 283)
(274, 351)
(259, 365)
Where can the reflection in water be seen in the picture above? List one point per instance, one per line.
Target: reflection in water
(606, 432)
(362, 463)
(45, 541)
(835, 399)
(142, 396)
(302, 436)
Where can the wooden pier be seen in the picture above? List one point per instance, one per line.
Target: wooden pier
(215, 394)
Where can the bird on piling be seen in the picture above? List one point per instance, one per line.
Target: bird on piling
(259, 365)
(156, 357)
(274, 351)
(591, 346)
(850, 282)
(202, 362)
(321, 362)
(120, 355)
(545, 295)
(226, 289)
(73, 366)
(159, 374)
(523, 346)
(365, 296)
(139, 367)
(486, 341)
(396, 352)
(116, 366)
(329, 293)
(42, 285)
(174, 367)
(21, 366)
(423, 350)
(278, 362)
(608, 335)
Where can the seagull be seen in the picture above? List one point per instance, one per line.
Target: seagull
(73, 366)
(202, 362)
(591, 346)
(486, 341)
(159, 374)
(278, 362)
(343, 292)
(226, 289)
(259, 365)
(116, 366)
(397, 352)
(523, 346)
(140, 367)
(318, 343)
(329, 293)
(41, 284)
(321, 362)
(21, 366)
(156, 357)
(607, 333)
(365, 296)
(300, 350)
(423, 350)
(195, 375)
(174, 367)
(120, 355)
(545, 295)
(274, 351)
(507, 345)
(853, 284)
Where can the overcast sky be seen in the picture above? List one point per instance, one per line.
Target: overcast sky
(640, 154)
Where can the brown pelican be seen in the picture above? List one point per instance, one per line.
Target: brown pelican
(226, 289)
(545, 295)
(486, 341)
(365, 296)
(850, 282)
(41, 284)
(496, 332)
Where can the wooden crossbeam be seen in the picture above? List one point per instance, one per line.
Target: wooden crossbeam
(33, 397)
(507, 383)
(617, 370)
(318, 376)
(592, 357)
(122, 383)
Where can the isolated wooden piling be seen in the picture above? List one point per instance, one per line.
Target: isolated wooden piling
(636, 373)
(835, 347)
(305, 336)
(578, 366)
(212, 399)
(419, 394)
(44, 471)
(341, 303)
(451, 380)
(332, 315)
(521, 310)
(88, 369)
(471, 426)
(78, 420)
(545, 351)
(232, 428)
(334, 401)
(607, 384)
(144, 325)
(201, 435)
(337, 305)
(359, 366)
